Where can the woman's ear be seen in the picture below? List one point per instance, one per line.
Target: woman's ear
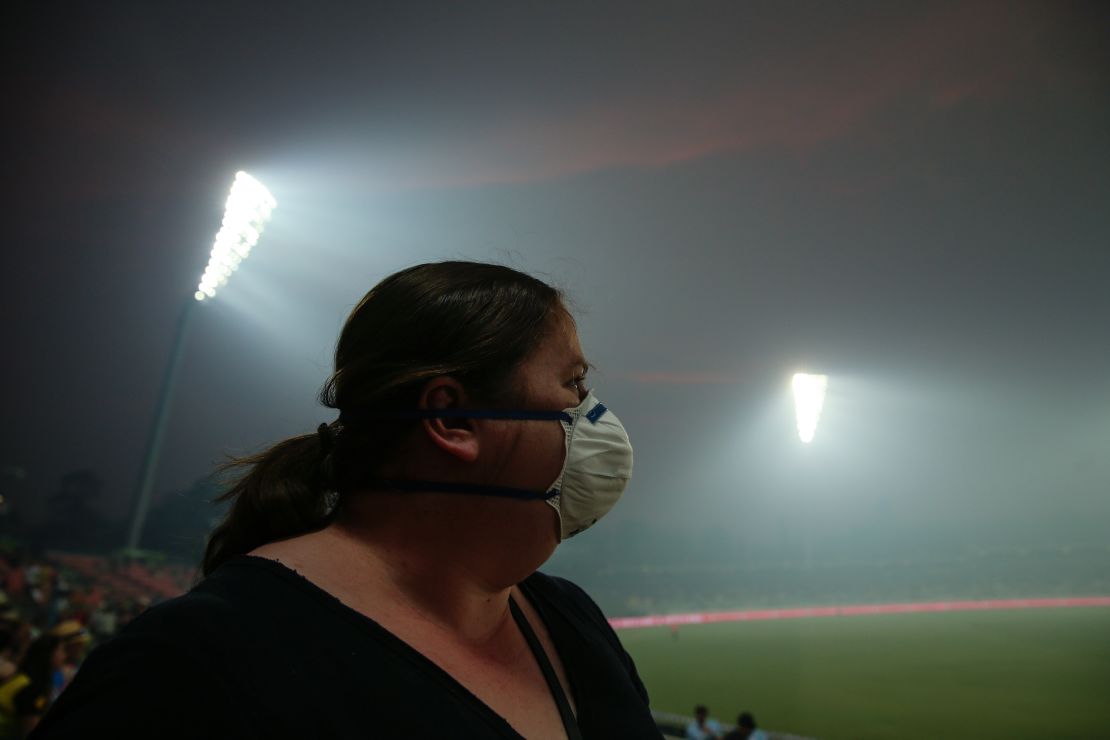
(457, 437)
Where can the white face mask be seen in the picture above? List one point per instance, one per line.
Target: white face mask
(596, 467)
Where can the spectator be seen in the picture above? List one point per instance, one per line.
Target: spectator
(102, 622)
(15, 634)
(746, 728)
(25, 696)
(703, 727)
(75, 642)
(8, 665)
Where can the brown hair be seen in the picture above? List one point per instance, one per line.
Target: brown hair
(473, 321)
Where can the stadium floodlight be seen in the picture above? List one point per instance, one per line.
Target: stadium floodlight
(248, 209)
(809, 398)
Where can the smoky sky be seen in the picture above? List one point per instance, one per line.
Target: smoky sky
(910, 197)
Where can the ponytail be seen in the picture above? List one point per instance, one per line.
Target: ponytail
(283, 492)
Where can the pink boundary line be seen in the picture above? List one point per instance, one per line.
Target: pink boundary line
(851, 611)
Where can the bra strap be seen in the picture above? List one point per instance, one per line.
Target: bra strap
(570, 724)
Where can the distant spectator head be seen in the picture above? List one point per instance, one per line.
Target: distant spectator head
(701, 712)
(70, 631)
(746, 720)
(75, 639)
(472, 321)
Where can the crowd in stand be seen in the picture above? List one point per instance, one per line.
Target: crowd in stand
(53, 609)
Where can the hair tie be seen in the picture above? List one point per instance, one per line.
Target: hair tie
(327, 438)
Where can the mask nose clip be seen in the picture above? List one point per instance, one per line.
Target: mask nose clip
(596, 412)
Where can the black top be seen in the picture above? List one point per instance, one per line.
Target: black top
(566, 712)
(257, 651)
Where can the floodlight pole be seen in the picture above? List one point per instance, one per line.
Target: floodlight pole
(809, 397)
(141, 502)
(248, 208)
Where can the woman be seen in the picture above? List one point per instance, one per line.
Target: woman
(378, 578)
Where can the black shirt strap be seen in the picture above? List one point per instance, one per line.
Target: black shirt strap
(570, 724)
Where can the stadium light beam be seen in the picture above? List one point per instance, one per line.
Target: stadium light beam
(809, 399)
(249, 206)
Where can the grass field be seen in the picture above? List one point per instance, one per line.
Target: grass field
(1033, 673)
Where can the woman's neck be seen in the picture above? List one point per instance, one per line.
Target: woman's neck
(434, 571)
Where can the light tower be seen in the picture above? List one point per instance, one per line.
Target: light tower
(248, 209)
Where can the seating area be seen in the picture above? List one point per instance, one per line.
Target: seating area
(132, 580)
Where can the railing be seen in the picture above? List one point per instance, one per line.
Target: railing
(754, 615)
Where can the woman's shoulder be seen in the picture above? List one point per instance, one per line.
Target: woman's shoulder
(188, 666)
(223, 616)
(210, 609)
(571, 601)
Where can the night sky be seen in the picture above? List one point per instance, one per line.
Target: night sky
(912, 198)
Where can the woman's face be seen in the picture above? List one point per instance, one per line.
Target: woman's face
(553, 378)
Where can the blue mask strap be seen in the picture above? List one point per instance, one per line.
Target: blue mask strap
(457, 414)
(416, 486)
